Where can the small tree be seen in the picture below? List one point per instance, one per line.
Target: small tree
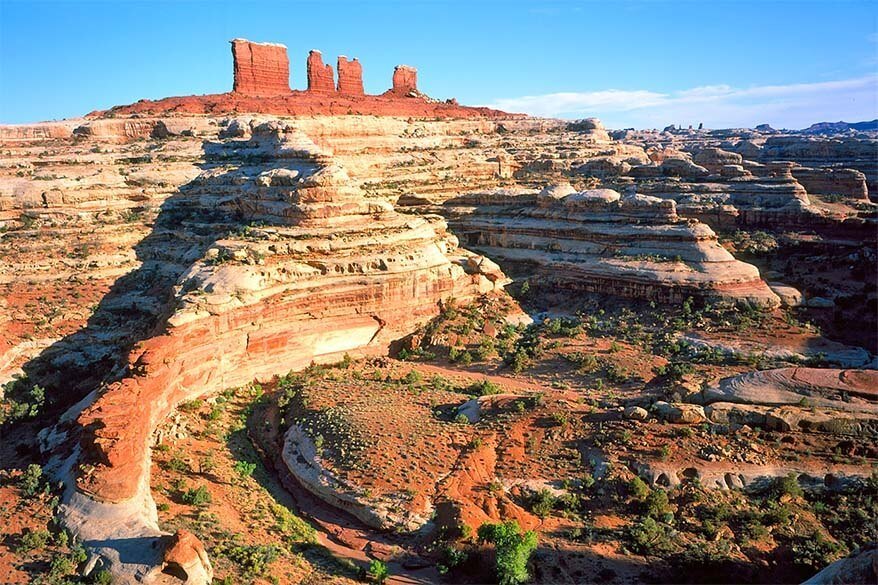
(378, 571)
(513, 550)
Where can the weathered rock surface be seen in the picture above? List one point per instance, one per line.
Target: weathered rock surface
(598, 241)
(327, 272)
(260, 69)
(405, 81)
(858, 568)
(320, 76)
(350, 76)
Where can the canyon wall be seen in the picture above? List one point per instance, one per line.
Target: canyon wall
(260, 69)
(598, 241)
(326, 272)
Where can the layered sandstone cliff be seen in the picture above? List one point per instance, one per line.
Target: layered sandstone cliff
(321, 272)
(350, 76)
(598, 241)
(260, 69)
(320, 75)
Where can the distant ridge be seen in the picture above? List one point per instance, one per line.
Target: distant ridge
(836, 127)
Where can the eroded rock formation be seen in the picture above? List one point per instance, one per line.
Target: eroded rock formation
(350, 76)
(599, 241)
(327, 273)
(320, 76)
(260, 69)
(405, 80)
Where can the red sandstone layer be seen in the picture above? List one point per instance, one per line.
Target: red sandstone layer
(260, 69)
(350, 77)
(304, 103)
(320, 76)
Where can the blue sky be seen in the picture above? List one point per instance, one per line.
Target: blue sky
(641, 64)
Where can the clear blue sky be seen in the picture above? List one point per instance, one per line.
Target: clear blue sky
(632, 63)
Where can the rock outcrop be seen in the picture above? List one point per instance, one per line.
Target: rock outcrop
(262, 86)
(320, 76)
(350, 76)
(328, 272)
(598, 241)
(260, 69)
(405, 81)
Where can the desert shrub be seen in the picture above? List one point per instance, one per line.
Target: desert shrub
(542, 502)
(461, 419)
(513, 550)
(32, 540)
(177, 464)
(378, 571)
(22, 401)
(786, 486)
(649, 537)
(412, 377)
(656, 504)
(517, 361)
(560, 418)
(102, 577)
(32, 480)
(254, 559)
(291, 526)
(484, 388)
(813, 552)
(563, 326)
(244, 468)
(191, 405)
(584, 362)
(778, 515)
(638, 489)
(673, 370)
(197, 496)
(450, 558)
(484, 350)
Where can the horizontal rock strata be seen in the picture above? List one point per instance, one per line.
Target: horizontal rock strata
(598, 241)
(326, 272)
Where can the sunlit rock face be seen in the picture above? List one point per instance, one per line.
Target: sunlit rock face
(599, 241)
(288, 263)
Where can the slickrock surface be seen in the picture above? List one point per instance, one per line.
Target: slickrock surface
(743, 178)
(260, 69)
(598, 241)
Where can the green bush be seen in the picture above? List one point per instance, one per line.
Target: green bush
(253, 559)
(649, 537)
(484, 388)
(244, 468)
(22, 400)
(638, 489)
(378, 571)
(412, 377)
(197, 496)
(291, 526)
(513, 550)
(656, 504)
(32, 480)
(814, 552)
(787, 486)
(542, 503)
(32, 540)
